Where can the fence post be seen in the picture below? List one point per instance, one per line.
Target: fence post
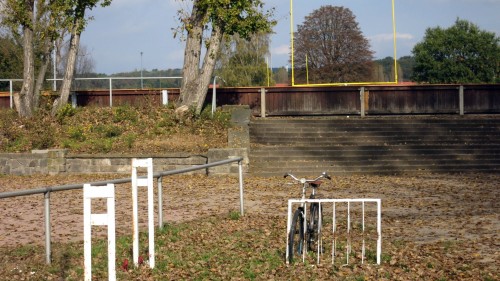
(11, 93)
(110, 92)
(362, 99)
(262, 102)
(73, 99)
(164, 95)
(48, 251)
(461, 99)
(240, 172)
(160, 202)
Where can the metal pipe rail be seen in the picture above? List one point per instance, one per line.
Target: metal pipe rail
(110, 83)
(47, 190)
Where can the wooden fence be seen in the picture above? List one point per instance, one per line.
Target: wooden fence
(328, 100)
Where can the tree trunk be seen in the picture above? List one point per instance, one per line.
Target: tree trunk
(62, 100)
(195, 80)
(47, 49)
(24, 102)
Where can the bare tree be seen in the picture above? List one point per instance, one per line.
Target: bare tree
(330, 47)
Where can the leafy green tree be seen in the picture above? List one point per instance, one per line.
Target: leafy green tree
(218, 18)
(330, 47)
(460, 54)
(406, 63)
(75, 21)
(281, 76)
(11, 62)
(383, 70)
(243, 62)
(39, 23)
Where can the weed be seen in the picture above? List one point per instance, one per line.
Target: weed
(65, 112)
(359, 278)
(130, 140)
(124, 113)
(234, 215)
(447, 245)
(76, 133)
(102, 145)
(386, 258)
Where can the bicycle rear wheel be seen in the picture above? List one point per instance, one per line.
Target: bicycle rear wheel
(296, 236)
(313, 228)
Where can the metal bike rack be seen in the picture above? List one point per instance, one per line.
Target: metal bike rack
(321, 203)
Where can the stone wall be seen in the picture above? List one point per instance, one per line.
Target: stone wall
(90, 164)
(60, 162)
(23, 163)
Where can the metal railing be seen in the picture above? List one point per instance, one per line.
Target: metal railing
(48, 190)
(110, 83)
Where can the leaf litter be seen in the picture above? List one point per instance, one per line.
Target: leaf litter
(434, 227)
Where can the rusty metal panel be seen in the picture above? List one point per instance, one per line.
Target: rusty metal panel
(313, 101)
(481, 99)
(4, 99)
(412, 100)
(325, 100)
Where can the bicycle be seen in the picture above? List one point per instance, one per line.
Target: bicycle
(296, 246)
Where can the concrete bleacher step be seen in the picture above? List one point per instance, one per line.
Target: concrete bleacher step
(374, 145)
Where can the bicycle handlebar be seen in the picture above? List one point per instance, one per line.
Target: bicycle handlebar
(303, 180)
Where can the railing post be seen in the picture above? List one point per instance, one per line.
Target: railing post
(214, 96)
(240, 172)
(47, 227)
(160, 203)
(362, 99)
(461, 99)
(110, 92)
(11, 93)
(262, 102)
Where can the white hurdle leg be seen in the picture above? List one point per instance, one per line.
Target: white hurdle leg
(89, 219)
(147, 182)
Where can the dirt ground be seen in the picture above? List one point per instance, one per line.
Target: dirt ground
(421, 209)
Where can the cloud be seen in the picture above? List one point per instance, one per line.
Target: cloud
(389, 37)
(281, 50)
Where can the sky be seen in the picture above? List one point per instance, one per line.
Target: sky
(119, 33)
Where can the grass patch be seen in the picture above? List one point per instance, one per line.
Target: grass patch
(123, 129)
(251, 247)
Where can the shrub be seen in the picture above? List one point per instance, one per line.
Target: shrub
(65, 112)
(124, 113)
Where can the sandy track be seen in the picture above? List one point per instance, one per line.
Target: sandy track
(424, 208)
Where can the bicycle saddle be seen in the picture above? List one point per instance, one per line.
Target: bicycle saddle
(315, 183)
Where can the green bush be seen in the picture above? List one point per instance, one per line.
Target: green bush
(65, 112)
(76, 133)
(108, 131)
(125, 113)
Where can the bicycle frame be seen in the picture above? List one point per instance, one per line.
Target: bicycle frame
(309, 226)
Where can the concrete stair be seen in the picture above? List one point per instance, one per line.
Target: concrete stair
(375, 145)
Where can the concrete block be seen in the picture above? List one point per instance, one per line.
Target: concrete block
(219, 154)
(238, 137)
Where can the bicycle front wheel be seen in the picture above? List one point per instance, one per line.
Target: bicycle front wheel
(296, 236)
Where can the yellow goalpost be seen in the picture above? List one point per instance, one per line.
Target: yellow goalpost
(348, 83)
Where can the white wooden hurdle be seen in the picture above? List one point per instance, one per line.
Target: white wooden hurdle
(321, 203)
(91, 192)
(147, 182)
